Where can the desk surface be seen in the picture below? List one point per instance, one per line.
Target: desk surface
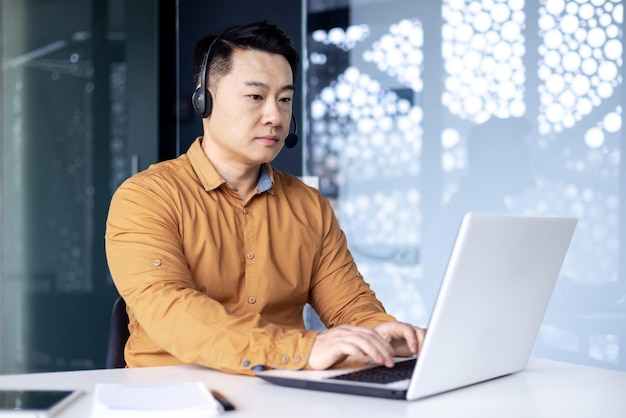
(545, 389)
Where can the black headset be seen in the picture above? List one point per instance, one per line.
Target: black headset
(203, 102)
(201, 98)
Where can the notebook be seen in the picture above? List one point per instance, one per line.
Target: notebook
(492, 300)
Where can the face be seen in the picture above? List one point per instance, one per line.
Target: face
(251, 109)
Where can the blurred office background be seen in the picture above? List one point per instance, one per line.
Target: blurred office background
(410, 113)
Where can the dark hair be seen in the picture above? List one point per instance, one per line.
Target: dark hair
(261, 36)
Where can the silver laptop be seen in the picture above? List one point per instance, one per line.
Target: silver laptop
(490, 306)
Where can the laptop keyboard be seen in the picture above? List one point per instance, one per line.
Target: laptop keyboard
(381, 374)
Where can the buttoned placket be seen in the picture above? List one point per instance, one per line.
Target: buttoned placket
(249, 238)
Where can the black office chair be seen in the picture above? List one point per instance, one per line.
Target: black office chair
(118, 335)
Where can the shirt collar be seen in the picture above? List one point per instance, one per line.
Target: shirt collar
(210, 178)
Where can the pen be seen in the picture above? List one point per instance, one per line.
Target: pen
(226, 404)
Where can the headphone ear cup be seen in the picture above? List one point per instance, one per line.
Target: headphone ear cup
(202, 102)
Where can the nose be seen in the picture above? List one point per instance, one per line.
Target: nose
(272, 114)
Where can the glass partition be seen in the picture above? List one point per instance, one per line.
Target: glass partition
(417, 112)
(63, 151)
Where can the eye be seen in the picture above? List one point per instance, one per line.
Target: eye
(255, 97)
(286, 100)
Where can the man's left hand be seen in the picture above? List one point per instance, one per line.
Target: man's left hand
(405, 339)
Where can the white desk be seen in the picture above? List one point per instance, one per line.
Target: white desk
(545, 389)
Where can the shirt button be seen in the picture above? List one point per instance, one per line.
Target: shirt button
(296, 359)
(157, 262)
(250, 255)
(246, 363)
(245, 211)
(285, 359)
(251, 299)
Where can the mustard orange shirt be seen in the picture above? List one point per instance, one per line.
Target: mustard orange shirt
(209, 279)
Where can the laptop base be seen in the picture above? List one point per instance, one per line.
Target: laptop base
(337, 387)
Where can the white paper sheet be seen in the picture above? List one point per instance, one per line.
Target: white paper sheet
(187, 399)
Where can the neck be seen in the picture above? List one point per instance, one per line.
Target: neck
(244, 184)
(242, 177)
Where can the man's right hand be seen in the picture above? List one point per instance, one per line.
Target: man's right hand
(336, 344)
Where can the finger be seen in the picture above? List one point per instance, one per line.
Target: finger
(362, 345)
(333, 345)
(364, 342)
(421, 334)
(406, 339)
(376, 348)
(411, 338)
(415, 338)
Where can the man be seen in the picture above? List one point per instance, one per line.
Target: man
(216, 253)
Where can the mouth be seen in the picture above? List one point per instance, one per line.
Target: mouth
(269, 140)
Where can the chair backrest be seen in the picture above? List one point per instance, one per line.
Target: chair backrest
(118, 335)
